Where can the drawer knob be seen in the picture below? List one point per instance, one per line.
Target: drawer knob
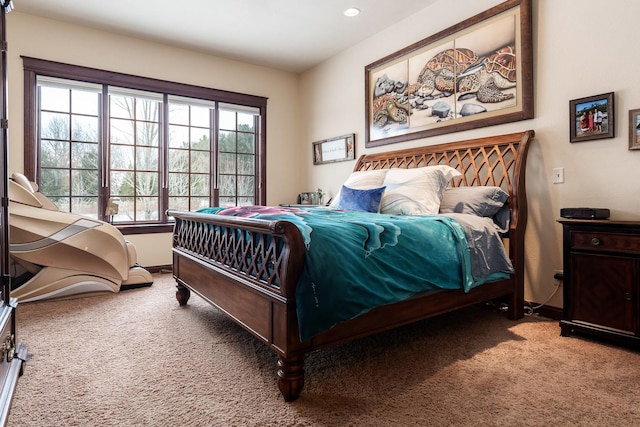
(627, 296)
(595, 241)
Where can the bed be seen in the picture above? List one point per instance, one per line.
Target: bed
(252, 267)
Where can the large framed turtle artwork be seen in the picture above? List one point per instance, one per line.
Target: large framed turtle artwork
(476, 73)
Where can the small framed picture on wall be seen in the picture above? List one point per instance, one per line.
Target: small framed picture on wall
(592, 118)
(634, 129)
(336, 149)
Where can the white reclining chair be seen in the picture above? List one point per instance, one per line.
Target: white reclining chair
(59, 255)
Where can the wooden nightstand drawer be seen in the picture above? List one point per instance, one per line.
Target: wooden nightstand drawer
(602, 241)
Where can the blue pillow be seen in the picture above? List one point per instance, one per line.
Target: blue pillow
(352, 199)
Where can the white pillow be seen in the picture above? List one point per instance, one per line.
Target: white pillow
(415, 191)
(362, 180)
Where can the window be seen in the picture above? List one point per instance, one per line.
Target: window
(190, 149)
(236, 155)
(94, 137)
(69, 135)
(134, 154)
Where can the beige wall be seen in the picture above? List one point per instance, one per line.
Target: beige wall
(580, 49)
(46, 39)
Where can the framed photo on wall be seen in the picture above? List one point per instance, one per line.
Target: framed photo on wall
(338, 149)
(634, 129)
(476, 73)
(592, 118)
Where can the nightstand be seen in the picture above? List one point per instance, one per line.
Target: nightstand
(602, 279)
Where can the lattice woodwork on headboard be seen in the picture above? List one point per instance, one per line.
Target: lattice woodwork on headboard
(489, 163)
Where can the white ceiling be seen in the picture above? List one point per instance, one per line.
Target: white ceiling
(291, 35)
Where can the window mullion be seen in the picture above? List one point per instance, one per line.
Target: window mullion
(163, 158)
(105, 154)
(215, 158)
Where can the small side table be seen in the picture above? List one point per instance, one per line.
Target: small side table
(602, 279)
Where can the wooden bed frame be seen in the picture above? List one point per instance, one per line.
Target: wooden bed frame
(249, 268)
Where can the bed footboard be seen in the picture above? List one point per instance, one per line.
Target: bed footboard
(264, 254)
(247, 268)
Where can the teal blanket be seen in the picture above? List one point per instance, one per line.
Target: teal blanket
(356, 261)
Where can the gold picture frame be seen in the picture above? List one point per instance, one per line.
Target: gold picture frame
(476, 73)
(338, 149)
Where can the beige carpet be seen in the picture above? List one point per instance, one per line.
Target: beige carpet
(139, 359)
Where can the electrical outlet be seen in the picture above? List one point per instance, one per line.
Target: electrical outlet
(558, 175)
(558, 275)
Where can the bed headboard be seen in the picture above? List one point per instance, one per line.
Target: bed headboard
(496, 160)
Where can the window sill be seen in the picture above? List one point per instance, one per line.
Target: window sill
(144, 229)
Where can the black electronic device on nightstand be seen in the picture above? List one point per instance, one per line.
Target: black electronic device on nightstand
(585, 213)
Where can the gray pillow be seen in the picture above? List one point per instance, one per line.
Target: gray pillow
(485, 201)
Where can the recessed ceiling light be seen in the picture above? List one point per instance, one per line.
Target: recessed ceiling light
(352, 11)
